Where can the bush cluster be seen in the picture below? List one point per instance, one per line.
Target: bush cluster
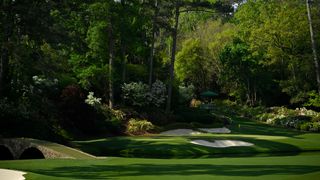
(300, 118)
(139, 126)
(141, 95)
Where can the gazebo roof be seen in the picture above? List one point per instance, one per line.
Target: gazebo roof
(208, 94)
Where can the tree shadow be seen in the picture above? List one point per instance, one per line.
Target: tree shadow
(118, 171)
(162, 148)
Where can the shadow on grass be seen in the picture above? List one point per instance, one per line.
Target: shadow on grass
(118, 171)
(172, 147)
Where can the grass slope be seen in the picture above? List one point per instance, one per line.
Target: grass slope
(303, 166)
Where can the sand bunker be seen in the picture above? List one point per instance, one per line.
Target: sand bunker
(11, 174)
(180, 132)
(188, 132)
(221, 143)
(216, 130)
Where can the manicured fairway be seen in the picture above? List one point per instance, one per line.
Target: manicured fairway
(172, 157)
(180, 147)
(303, 166)
(266, 139)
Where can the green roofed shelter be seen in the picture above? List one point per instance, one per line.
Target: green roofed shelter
(208, 94)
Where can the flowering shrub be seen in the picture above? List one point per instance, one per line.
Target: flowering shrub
(195, 103)
(93, 101)
(158, 93)
(40, 85)
(136, 93)
(139, 94)
(300, 118)
(138, 126)
(118, 114)
(44, 81)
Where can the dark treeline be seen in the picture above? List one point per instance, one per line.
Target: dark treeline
(55, 52)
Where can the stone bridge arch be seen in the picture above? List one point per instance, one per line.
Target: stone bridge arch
(5, 152)
(23, 148)
(31, 153)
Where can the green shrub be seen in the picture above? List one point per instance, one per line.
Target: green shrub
(305, 127)
(315, 126)
(138, 126)
(226, 107)
(316, 118)
(186, 93)
(310, 126)
(314, 99)
(251, 112)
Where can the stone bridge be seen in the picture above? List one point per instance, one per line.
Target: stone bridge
(24, 148)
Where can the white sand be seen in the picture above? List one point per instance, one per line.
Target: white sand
(180, 132)
(215, 130)
(221, 143)
(6, 174)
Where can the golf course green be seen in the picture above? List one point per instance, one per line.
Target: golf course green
(277, 153)
(267, 140)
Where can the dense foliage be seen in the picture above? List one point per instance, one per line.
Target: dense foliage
(152, 57)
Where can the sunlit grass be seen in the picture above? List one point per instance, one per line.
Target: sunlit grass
(302, 166)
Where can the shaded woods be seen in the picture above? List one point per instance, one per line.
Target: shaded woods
(146, 59)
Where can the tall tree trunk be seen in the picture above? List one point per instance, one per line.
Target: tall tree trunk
(5, 45)
(124, 61)
(173, 56)
(123, 49)
(313, 44)
(111, 44)
(248, 92)
(152, 50)
(4, 62)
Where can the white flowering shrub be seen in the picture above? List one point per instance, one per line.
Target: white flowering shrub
(158, 93)
(300, 118)
(44, 81)
(139, 94)
(136, 94)
(41, 85)
(93, 101)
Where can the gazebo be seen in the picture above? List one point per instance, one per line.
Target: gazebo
(207, 95)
